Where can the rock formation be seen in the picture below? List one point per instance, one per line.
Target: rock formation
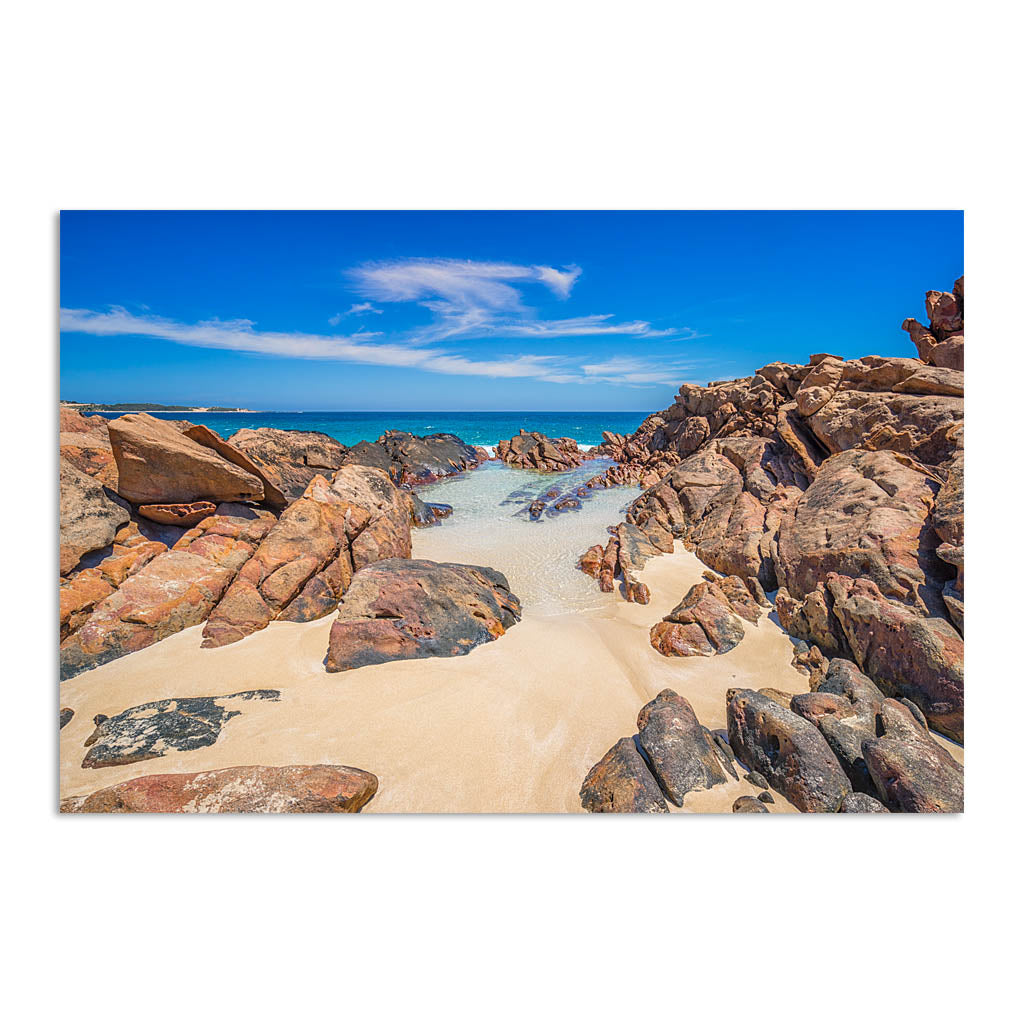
(402, 608)
(839, 483)
(530, 450)
(413, 461)
(705, 621)
(258, 789)
(289, 459)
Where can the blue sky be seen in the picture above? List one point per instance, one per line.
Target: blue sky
(478, 310)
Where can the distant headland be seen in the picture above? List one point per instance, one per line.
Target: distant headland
(147, 407)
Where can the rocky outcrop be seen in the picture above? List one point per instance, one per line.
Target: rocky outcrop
(802, 477)
(622, 783)
(530, 450)
(178, 515)
(305, 562)
(403, 608)
(259, 789)
(85, 443)
(161, 726)
(89, 517)
(414, 461)
(705, 622)
(289, 459)
(157, 464)
(787, 750)
(272, 494)
(677, 748)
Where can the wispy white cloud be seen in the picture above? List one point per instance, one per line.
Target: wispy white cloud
(356, 309)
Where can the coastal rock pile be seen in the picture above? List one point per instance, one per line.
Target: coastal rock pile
(840, 484)
(672, 754)
(256, 789)
(530, 450)
(403, 608)
(846, 748)
(289, 459)
(413, 461)
(705, 621)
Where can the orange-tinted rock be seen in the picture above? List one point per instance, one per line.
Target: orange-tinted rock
(89, 517)
(622, 783)
(178, 515)
(174, 591)
(705, 621)
(208, 438)
(590, 560)
(297, 789)
(158, 464)
(530, 450)
(84, 442)
(289, 459)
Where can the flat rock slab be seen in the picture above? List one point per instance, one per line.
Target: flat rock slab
(403, 608)
(153, 729)
(294, 789)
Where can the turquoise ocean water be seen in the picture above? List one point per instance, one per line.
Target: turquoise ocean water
(481, 428)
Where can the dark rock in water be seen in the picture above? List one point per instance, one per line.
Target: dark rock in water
(749, 805)
(766, 797)
(621, 782)
(428, 513)
(567, 504)
(677, 750)
(756, 779)
(259, 789)
(537, 451)
(410, 460)
(787, 750)
(910, 770)
(410, 608)
(289, 459)
(151, 730)
(861, 803)
(66, 714)
(536, 509)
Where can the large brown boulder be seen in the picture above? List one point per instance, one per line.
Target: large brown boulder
(705, 622)
(157, 463)
(89, 517)
(258, 789)
(787, 750)
(531, 450)
(411, 460)
(622, 783)
(911, 771)
(208, 438)
(306, 561)
(410, 608)
(85, 443)
(865, 514)
(289, 459)
(677, 748)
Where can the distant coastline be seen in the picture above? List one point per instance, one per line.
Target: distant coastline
(150, 407)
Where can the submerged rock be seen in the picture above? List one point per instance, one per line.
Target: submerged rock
(411, 608)
(154, 729)
(259, 789)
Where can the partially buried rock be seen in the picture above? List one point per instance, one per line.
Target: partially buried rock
(861, 803)
(787, 750)
(157, 463)
(749, 805)
(259, 789)
(621, 783)
(680, 756)
(705, 621)
(161, 726)
(66, 714)
(403, 608)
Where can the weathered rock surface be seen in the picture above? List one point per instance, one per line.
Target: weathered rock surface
(621, 782)
(289, 459)
(530, 450)
(411, 460)
(158, 464)
(153, 729)
(787, 750)
(681, 758)
(85, 443)
(749, 805)
(861, 803)
(89, 517)
(428, 513)
(178, 515)
(705, 622)
(66, 714)
(910, 770)
(272, 495)
(305, 562)
(402, 608)
(258, 789)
